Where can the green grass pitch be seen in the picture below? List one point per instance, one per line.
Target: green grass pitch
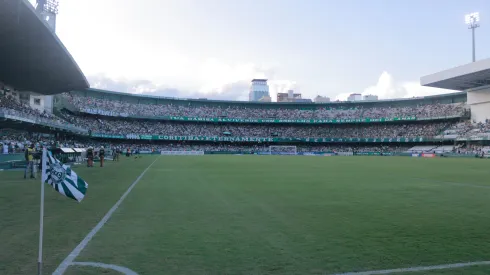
(257, 215)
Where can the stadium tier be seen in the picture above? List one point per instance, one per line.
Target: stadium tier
(108, 104)
(148, 129)
(95, 117)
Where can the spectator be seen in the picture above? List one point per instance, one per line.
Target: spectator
(124, 108)
(134, 128)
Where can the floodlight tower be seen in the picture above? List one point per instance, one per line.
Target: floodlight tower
(473, 22)
(47, 11)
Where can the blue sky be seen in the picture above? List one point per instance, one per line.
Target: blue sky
(212, 48)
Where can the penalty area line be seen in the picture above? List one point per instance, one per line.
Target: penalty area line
(416, 268)
(69, 259)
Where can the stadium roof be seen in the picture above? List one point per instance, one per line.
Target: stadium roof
(32, 58)
(462, 78)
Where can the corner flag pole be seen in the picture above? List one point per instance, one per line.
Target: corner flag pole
(41, 215)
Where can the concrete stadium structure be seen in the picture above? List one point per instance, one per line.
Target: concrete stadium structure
(472, 78)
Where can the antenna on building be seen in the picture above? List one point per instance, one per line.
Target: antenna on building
(47, 10)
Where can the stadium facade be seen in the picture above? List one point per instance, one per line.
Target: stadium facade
(119, 118)
(472, 78)
(106, 107)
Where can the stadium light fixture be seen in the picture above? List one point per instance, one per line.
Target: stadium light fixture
(473, 22)
(472, 18)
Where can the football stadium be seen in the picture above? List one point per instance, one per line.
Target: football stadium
(195, 186)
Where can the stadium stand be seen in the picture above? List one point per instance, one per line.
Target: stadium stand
(422, 148)
(14, 108)
(143, 127)
(146, 124)
(120, 108)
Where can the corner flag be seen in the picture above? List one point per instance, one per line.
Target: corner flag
(62, 178)
(65, 181)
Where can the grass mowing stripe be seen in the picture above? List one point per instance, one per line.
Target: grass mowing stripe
(69, 259)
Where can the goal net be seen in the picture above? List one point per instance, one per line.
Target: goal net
(282, 150)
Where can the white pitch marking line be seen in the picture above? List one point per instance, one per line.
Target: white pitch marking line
(416, 268)
(121, 269)
(69, 259)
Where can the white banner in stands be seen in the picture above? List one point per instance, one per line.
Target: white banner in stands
(182, 153)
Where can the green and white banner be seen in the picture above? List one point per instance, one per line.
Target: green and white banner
(263, 120)
(62, 178)
(305, 121)
(259, 139)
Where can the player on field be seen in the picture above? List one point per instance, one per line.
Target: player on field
(90, 157)
(101, 156)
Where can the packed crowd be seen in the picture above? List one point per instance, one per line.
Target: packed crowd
(229, 147)
(121, 126)
(423, 111)
(460, 128)
(474, 149)
(468, 129)
(16, 141)
(482, 127)
(357, 148)
(13, 107)
(150, 110)
(144, 127)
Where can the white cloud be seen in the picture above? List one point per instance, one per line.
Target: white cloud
(388, 88)
(116, 52)
(219, 80)
(234, 91)
(281, 86)
(212, 78)
(213, 75)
